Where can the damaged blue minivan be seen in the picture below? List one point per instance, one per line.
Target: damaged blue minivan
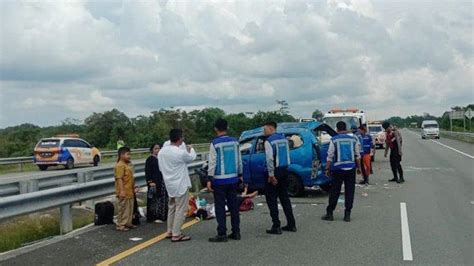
(307, 155)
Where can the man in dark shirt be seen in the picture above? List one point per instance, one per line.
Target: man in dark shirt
(394, 143)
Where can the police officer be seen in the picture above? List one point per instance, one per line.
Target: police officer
(394, 143)
(277, 154)
(342, 160)
(225, 169)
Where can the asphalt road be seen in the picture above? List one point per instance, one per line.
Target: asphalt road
(439, 200)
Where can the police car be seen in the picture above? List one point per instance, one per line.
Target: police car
(67, 150)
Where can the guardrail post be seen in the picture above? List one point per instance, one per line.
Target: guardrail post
(23, 187)
(84, 177)
(65, 224)
(195, 183)
(21, 167)
(33, 185)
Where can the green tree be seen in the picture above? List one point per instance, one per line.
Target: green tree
(317, 114)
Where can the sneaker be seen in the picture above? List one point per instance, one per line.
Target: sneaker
(274, 231)
(234, 236)
(328, 217)
(393, 180)
(402, 180)
(218, 239)
(289, 228)
(362, 182)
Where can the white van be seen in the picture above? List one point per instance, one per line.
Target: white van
(429, 129)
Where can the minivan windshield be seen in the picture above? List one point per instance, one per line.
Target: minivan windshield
(48, 143)
(431, 126)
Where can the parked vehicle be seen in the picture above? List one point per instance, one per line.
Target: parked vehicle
(429, 129)
(352, 118)
(307, 156)
(67, 150)
(378, 135)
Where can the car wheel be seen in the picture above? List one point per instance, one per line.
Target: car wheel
(96, 160)
(43, 167)
(295, 186)
(69, 163)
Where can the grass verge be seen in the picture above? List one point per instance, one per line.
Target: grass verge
(20, 231)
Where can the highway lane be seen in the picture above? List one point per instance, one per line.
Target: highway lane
(439, 201)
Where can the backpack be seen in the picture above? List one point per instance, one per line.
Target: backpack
(104, 213)
(136, 213)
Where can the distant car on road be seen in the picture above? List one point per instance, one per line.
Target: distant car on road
(307, 155)
(378, 135)
(67, 150)
(429, 129)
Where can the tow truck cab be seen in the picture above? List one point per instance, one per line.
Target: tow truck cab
(307, 155)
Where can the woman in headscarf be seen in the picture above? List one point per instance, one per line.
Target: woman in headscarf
(157, 202)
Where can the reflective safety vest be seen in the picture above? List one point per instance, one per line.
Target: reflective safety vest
(366, 144)
(344, 152)
(281, 150)
(227, 164)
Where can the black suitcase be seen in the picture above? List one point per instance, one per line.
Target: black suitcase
(104, 213)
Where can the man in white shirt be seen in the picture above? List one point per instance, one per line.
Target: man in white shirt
(173, 164)
(168, 143)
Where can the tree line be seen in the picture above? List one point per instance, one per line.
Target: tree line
(102, 130)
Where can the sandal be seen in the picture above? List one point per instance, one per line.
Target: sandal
(180, 238)
(122, 229)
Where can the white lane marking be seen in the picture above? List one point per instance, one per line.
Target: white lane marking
(406, 242)
(451, 148)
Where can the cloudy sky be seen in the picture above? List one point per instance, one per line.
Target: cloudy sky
(70, 58)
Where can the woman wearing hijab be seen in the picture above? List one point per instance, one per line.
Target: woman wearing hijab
(157, 203)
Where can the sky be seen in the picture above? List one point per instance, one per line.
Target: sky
(67, 59)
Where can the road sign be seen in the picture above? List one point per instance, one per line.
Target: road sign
(469, 113)
(456, 115)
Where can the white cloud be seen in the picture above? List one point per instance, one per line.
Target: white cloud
(73, 58)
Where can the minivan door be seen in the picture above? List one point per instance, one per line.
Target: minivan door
(246, 149)
(258, 164)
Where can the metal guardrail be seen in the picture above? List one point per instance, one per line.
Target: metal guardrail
(29, 159)
(46, 180)
(463, 136)
(84, 187)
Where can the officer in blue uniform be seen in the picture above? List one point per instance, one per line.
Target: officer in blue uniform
(224, 172)
(342, 161)
(277, 154)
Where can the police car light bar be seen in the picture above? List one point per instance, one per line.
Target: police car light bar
(67, 136)
(353, 110)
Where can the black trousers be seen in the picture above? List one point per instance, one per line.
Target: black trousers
(337, 178)
(395, 164)
(280, 191)
(226, 194)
